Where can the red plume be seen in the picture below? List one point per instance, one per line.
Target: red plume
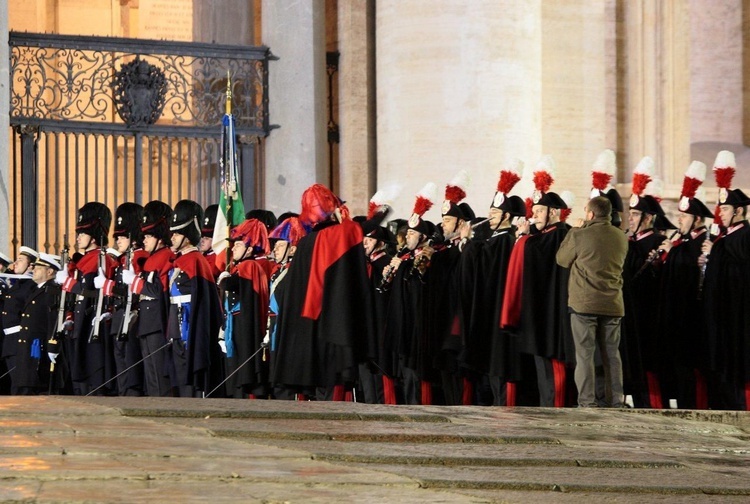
(640, 181)
(724, 177)
(508, 179)
(600, 180)
(690, 186)
(542, 181)
(372, 209)
(454, 194)
(565, 213)
(422, 205)
(529, 208)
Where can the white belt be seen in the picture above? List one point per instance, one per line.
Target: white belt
(146, 298)
(12, 330)
(180, 300)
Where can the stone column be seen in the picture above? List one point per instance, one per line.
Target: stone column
(457, 88)
(658, 88)
(357, 103)
(5, 189)
(574, 91)
(296, 153)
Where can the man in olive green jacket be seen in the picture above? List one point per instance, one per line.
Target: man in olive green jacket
(595, 253)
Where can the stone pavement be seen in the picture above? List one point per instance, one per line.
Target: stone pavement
(65, 449)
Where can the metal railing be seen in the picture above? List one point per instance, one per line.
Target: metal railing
(115, 120)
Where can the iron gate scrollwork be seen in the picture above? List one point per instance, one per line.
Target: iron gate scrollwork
(114, 120)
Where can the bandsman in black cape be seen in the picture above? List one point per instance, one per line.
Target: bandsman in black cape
(484, 265)
(325, 321)
(88, 349)
(682, 322)
(38, 321)
(284, 239)
(536, 292)
(194, 318)
(639, 346)
(14, 298)
(726, 295)
(407, 338)
(245, 298)
(376, 375)
(443, 341)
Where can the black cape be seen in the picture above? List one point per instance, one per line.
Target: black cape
(325, 317)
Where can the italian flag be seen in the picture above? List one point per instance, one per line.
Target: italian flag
(231, 210)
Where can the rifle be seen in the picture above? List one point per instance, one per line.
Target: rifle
(59, 331)
(100, 301)
(61, 310)
(122, 332)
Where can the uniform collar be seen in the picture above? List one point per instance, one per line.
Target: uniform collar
(695, 233)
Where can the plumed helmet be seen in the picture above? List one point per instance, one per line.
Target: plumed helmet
(209, 220)
(253, 234)
(186, 220)
(128, 218)
(549, 199)
(734, 197)
(455, 191)
(94, 219)
(372, 227)
(156, 218)
(291, 230)
(514, 205)
(318, 203)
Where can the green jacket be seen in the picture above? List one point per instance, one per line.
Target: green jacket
(595, 254)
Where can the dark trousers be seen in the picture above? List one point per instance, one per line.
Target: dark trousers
(156, 382)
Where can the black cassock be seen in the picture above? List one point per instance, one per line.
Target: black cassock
(325, 317)
(639, 344)
(248, 286)
(441, 341)
(728, 321)
(682, 321)
(484, 267)
(380, 299)
(544, 321)
(196, 364)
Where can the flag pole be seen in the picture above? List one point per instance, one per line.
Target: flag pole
(228, 170)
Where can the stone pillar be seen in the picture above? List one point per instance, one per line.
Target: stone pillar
(657, 99)
(5, 189)
(457, 88)
(357, 103)
(574, 91)
(296, 152)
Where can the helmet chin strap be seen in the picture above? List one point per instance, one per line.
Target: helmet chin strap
(182, 243)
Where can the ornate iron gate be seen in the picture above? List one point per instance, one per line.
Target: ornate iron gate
(115, 120)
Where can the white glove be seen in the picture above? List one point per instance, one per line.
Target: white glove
(53, 357)
(267, 340)
(128, 276)
(102, 318)
(223, 345)
(61, 276)
(222, 276)
(99, 280)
